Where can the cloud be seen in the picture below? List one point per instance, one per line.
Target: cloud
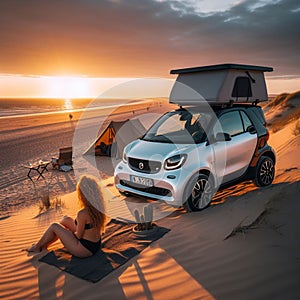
(144, 38)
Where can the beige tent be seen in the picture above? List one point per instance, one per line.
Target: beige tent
(115, 137)
(220, 84)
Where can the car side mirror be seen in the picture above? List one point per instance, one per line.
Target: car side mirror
(251, 129)
(222, 137)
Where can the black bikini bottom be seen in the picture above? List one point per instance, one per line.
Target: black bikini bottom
(91, 246)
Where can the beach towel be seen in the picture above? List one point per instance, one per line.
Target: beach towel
(119, 244)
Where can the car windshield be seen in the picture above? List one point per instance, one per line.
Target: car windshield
(179, 127)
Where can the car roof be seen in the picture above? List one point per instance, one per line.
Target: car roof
(222, 67)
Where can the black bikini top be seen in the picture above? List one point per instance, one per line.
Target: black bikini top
(86, 226)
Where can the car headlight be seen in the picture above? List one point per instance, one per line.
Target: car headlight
(175, 162)
(125, 157)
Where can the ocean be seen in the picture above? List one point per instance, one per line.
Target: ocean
(34, 106)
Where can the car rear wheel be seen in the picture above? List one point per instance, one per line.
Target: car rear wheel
(199, 193)
(265, 171)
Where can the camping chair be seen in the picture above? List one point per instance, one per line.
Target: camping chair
(64, 159)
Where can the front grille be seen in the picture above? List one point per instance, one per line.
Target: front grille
(144, 166)
(151, 190)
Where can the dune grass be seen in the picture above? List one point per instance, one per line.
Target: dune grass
(296, 129)
(284, 99)
(283, 120)
(46, 202)
(289, 110)
(260, 220)
(245, 228)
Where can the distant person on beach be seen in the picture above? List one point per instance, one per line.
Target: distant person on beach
(82, 236)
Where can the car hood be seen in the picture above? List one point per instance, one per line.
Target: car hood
(155, 151)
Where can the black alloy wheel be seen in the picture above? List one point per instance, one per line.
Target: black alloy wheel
(199, 193)
(265, 171)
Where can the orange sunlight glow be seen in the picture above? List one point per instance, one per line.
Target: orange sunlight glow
(67, 87)
(32, 86)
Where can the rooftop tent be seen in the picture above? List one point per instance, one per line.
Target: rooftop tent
(220, 84)
(115, 137)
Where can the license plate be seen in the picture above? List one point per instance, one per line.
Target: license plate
(141, 180)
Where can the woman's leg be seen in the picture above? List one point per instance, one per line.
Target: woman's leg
(68, 239)
(47, 239)
(69, 223)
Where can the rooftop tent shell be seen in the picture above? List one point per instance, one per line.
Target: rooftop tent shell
(220, 84)
(112, 140)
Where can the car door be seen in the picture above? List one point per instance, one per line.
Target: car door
(238, 151)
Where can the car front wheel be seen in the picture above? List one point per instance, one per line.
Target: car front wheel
(199, 193)
(265, 171)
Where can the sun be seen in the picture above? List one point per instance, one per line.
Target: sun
(68, 87)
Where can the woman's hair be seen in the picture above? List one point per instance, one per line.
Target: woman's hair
(90, 196)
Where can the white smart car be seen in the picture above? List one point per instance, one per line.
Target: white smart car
(189, 153)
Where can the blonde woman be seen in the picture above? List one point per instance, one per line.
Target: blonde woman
(82, 236)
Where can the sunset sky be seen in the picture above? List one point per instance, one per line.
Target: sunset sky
(51, 47)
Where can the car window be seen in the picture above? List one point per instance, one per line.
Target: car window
(180, 126)
(259, 114)
(246, 121)
(171, 124)
(231, 123)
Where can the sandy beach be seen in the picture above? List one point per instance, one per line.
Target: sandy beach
(244, 246)
(29, 139)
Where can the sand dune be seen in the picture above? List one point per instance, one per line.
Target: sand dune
(261, 260)
(246, 246)
(282, 110)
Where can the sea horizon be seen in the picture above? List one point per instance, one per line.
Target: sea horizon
(24, 107)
